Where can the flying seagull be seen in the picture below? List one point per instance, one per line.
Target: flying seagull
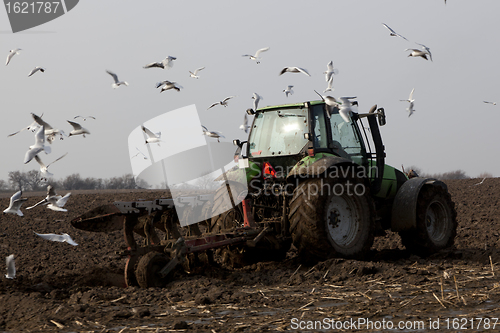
(11, 267)
(256, 99)
(58, 238)
(417, 53)
(256, 56)
(84, 117)
(294, 70)
(223, 102)
(38, 147)
(15, 204)
(152, 137)
(36, 69)
(166, 63)
(427, 50)
(117, 82)
(212, 134)
(245, 126)
(345, 109)
(195, 73)
(11, 54)
(51, 197)
(50, 132)
(77, 129)
(167, 85)
(411, 101)
(330, 102)
(393, 33)
(493, 103)
(288, 91)
(330, 71)
(57, 204)
(44, 169)
(482, 181)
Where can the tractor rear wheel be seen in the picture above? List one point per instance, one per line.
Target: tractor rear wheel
(436, 223)
(327, 218)
(148, 268)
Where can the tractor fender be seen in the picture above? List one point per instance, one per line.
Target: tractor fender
(404, 208)
(332, 164)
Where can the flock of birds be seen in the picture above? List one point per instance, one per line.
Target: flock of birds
(54, 202)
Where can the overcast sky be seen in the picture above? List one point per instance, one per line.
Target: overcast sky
(451, 129)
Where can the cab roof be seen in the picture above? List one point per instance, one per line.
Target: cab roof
(283, 106)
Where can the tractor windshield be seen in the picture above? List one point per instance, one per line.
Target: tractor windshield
(278, 133)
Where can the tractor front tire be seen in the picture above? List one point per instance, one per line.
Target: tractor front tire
(326, 221)
(436, 223)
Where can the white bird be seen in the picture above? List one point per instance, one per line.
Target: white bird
(44, 169)
(167, 85)
(140, 152)
(38, 147)
(212, 134)
(223, 102)
(50, 132)
(345, 110)
(152, 137)
(294, 70)
(482, 181)
(245, 126)
(32, 127)
(256, 99)
(330, 85)
(493, 103)
(15, 204)
(393, 33)
(36, 69)
(330, 101)
(417, 53)
(58, 238)
(11, 267)
(330, 71)
(11, 54)
(410, 100)
(195, 73)
(51, 197)
(77, 129)
(166, 63)
(57, 203)
(117, 82)
(256, 56)
(427, 50)
(288, 91)
(84, 117)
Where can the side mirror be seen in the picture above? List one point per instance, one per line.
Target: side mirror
(381, 117)
(237, 142)
(308, 136)
(250, 112)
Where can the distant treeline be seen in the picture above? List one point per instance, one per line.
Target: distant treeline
(32, 181)
(457, 174)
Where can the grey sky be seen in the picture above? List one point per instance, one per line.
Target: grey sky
(451, 129)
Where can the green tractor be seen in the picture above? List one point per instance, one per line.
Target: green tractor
(316, 180)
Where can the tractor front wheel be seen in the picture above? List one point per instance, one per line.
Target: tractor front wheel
(436, 223)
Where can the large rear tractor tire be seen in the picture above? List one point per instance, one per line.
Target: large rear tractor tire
(331, 217)
(436, 223)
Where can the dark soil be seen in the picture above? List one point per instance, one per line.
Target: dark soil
(67, 288)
